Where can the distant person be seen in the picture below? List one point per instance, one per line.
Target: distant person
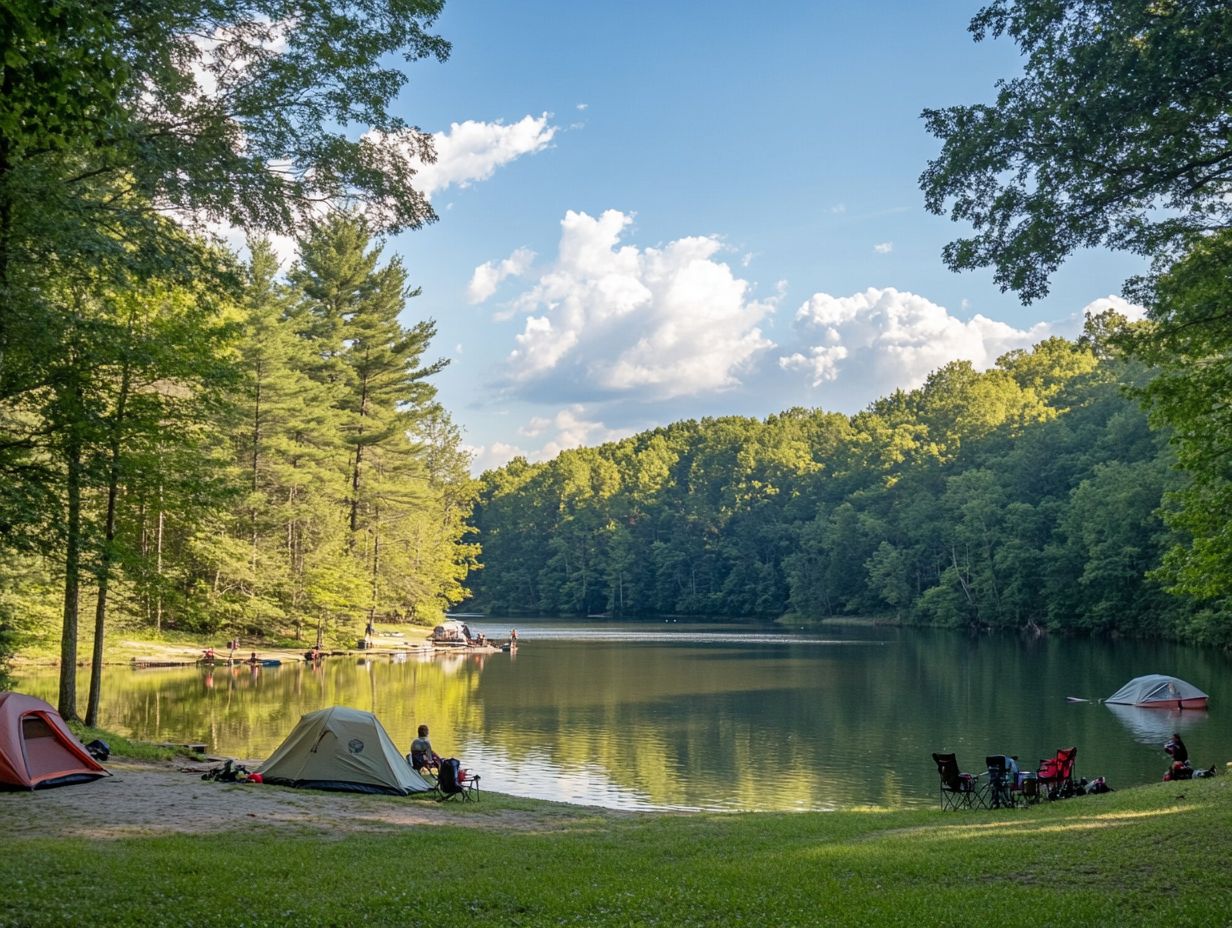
(1012, 773)
(254, 660)
(1180, 769)
(1175, 748)
(513, 634)
(422, 755)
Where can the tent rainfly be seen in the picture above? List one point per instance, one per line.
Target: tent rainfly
(37, 750)
(342, 749)
(1156, 690)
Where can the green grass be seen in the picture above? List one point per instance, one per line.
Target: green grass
(123, 747)
(1134, 857)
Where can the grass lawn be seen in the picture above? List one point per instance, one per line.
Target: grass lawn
(1156, 855)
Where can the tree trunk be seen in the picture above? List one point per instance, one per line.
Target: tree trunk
(109, 533)
(72, 566)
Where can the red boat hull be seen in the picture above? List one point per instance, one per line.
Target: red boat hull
(1197, 703)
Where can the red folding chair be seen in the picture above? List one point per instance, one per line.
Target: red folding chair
(1056, 774)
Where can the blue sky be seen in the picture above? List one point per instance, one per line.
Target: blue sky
(658, 211)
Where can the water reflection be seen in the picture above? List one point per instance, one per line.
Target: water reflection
(702, 716)
(1155, 726)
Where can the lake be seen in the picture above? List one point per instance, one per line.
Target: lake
(674, 715)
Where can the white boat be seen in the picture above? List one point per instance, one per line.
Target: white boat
(450, 634)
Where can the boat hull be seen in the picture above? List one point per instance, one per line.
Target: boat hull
(1192, 703)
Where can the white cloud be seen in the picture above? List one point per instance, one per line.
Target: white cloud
(1132, 311)
(487, 457)
(570, 427)
(619, 320)
(872, 342)
(488, 276)
(838, 209)
(535, 427)
(883, 248)
(583, 106)
(573, 430)
(285, 247)
(471, 151)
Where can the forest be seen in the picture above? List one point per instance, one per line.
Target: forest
(1080, 487)
(191, 440)
(1026, 497)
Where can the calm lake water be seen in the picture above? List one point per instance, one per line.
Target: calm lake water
(675, 715)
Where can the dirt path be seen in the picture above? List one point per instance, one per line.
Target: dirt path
(146, 799)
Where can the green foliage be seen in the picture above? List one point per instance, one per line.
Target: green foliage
(1024, 497)
(1114, 134)
(173, 438)
(1189, 341)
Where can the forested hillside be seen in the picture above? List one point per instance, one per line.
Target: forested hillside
(184, 441)
(1027, 496)
(258, 465)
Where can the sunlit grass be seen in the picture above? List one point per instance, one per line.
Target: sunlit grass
(1136, 857)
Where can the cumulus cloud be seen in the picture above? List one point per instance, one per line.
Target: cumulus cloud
(883, 248)
(583, 106)
(471, 151)
(488, 457)
(610, 319)
(1132, 311)
(882, 339)
(488, 276)
(570, 427)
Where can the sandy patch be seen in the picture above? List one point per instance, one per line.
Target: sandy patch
(143, 799)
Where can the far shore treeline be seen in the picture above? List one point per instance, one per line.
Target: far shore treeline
(1025, 497)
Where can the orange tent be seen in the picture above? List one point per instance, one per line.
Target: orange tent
(36, 748)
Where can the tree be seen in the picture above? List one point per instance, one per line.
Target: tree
(116, 117)
(239, 110)
(1190, 342)
(374, 368)
(1116, 134)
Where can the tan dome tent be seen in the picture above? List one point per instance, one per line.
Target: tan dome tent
(37, 750)
(342, 749)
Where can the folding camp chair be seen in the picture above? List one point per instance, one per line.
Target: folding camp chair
(1056, 774)
(453, 782)
(958, 789)
(998, 793)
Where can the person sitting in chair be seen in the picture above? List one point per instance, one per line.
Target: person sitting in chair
(422, 755)
(1176, 749)
(1180, 769)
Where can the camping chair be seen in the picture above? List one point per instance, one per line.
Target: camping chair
(1056, 774)
(452, 782)
(998, 793)
(424, 764)
(958, 789)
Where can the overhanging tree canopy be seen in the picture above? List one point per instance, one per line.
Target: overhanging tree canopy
(1118, 133)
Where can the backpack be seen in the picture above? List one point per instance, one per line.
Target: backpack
(449, 780)
(229, 772)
